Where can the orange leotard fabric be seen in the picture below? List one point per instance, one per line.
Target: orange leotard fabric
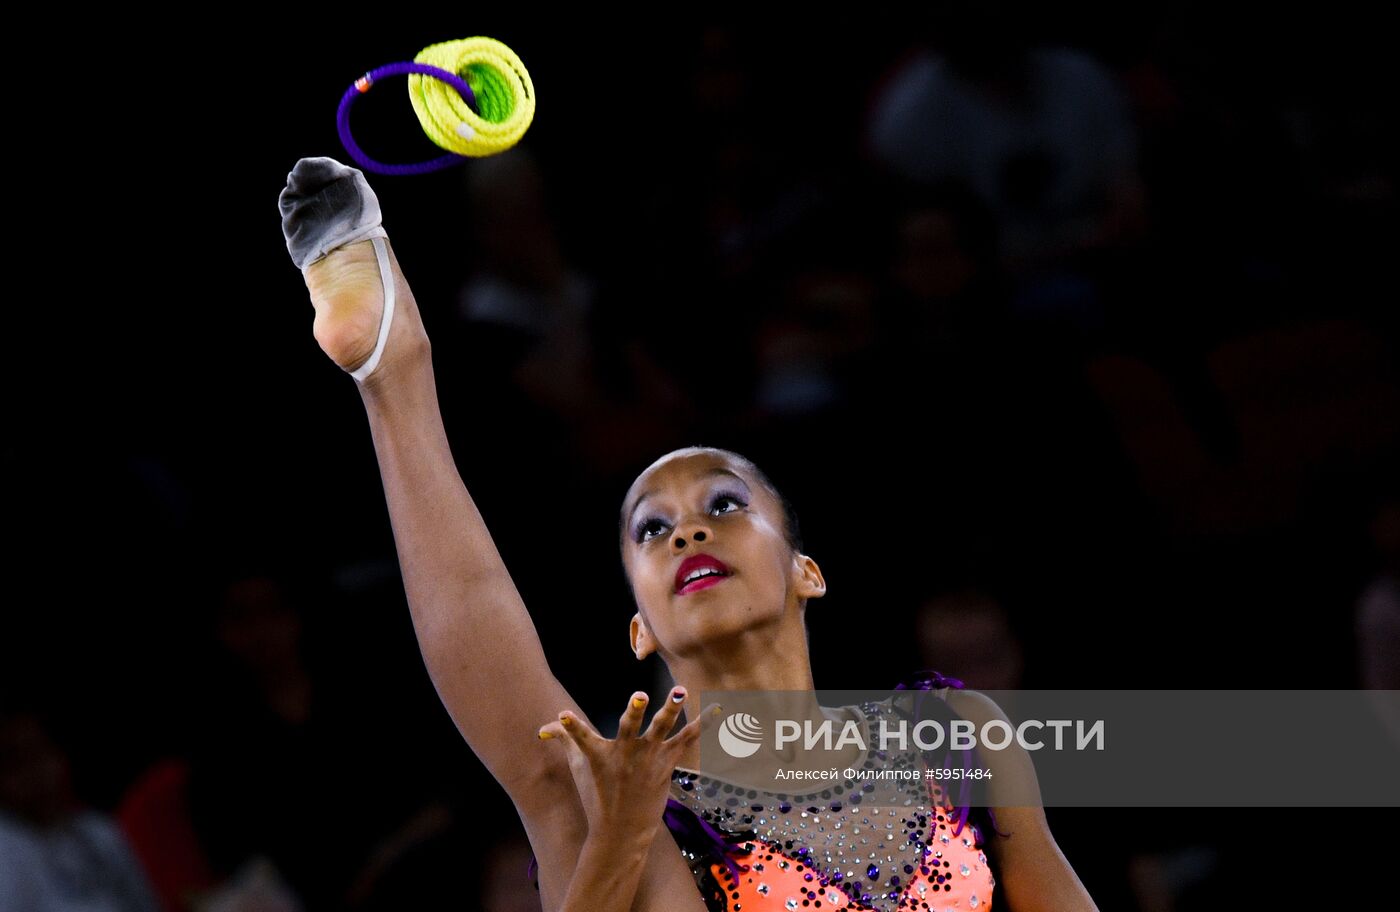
(829, 849)
(954, 876)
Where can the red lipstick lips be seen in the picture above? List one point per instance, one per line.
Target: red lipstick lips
(700, 562)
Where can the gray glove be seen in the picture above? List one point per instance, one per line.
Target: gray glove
(326, 205)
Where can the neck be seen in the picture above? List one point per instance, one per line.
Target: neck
(754, 665)
(773, 659)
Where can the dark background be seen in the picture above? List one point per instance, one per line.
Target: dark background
(1167, 452)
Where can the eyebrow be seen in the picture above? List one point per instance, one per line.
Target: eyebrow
(632, 514)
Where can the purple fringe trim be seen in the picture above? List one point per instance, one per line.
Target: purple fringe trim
(928, 679)
(719, 846)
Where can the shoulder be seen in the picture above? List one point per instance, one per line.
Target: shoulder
(975, 706)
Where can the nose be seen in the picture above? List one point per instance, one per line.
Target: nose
(694, 531)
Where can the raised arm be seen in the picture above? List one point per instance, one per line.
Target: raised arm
(477, 639)
(476, 636)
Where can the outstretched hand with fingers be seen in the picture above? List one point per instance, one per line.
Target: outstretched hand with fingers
(624, 781)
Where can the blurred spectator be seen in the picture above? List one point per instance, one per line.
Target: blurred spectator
(810, 354)
(532, 319)
(309, 781)
(155, 815)
(1378, 608)
(942, 255)
(523, 292)
(967, 634)
(255, 887)
(943, 305)
(269, 771)
(1287, 401)
(1043, 135)
(1377, 617)
(55, 854)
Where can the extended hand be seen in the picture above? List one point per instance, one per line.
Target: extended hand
(624, 781)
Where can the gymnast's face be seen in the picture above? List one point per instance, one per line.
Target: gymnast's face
(700, 503)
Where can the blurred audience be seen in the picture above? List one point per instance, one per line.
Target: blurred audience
(56, 854)
(530, 317)
(1044, 135)
(1109, 310)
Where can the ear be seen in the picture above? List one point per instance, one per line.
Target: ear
(810, 582)
(642, 643)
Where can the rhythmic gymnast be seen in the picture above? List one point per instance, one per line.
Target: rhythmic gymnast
(593, 807)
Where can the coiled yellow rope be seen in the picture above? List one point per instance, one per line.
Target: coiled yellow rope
(504, 95)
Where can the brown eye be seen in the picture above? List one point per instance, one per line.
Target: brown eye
(728, 498)
(642, 535)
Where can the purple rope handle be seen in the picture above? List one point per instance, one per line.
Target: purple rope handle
(362, 85)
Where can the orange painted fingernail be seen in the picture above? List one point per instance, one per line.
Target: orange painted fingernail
(545, 736)
(638, 702)
(564, 720)
(717, 710)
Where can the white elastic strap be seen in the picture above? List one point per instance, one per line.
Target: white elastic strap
(385, 321)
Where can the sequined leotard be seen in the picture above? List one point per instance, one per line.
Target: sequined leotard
(828, 850)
